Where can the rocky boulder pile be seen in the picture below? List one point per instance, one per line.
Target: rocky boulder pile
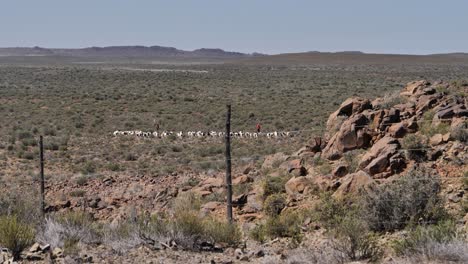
(368, 141)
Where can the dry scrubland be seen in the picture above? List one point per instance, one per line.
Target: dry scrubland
(125, 180)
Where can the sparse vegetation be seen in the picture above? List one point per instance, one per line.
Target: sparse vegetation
(15, 235)
(414, 198)
(415, 146)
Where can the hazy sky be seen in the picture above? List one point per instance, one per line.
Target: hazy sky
(269, 26)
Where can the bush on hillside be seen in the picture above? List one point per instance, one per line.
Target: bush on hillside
(440, 243)
(411, 199)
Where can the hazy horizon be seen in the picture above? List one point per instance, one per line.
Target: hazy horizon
(270, 27)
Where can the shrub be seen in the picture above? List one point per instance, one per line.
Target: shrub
(284, 225)
(354, 240)
(24, 206)
(274, 204)
(415, 147)
(89, 168)
(258, 233)
(391, 99)
(15, 235)
(274, 184)
(81, 180)
(460, 132)
(68, 230)
(330, 210)
(222, 232)
(352, 159)
(410, 199)
(77, 193)
(440, 243)
(114, 167)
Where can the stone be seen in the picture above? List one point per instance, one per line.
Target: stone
(446, 137)
(340, 170)
(352, 135)
(295, 167)
(239, 200)
(397, 130)
(57, 253)
(297, 185)
(242, 179)
(456, 197)
(426, 102)
(386, 146)
(212, 182)
(353, 183)
(437, 139)
(415, 87)
(45, 248)
(35, 248)
(211, 206)
(349, 107)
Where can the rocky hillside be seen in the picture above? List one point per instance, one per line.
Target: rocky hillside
(370, 141)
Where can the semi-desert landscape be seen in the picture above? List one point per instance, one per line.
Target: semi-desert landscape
(222, 132)
(373, 165)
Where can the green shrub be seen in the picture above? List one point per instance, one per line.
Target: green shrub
(89, 168)
(81, 180)
(14, 235)
(258, 233)
(77, 193)
(114, 167)
(222, 232)
(285, 225)
(408, 200)
(418, 237)
(330, 210)
(274, 184)
(354, 240)
(273, 204)
(415, 147)
(460, 132)
(352, 159)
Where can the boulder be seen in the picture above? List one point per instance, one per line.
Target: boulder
(353, 183)
(242, 179)
(57, 253)
(295, 167)
(211, 206)
(397, 130)
(340, 170)
(297, 185)
(437, 139)
(414, 88)
(377, 159)
(349, 107)
(212, 182)
(239, 200)
(353, 134)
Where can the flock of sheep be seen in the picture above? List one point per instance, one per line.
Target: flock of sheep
(201, 134)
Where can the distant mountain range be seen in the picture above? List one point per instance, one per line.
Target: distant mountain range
(311, 57)
(125, 51)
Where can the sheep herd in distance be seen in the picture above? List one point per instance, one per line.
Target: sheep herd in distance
(202, 134)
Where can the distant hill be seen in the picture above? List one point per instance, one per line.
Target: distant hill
(356, 57)
(125, 51)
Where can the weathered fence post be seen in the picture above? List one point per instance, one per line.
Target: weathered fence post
(41, 151)
(228, 164)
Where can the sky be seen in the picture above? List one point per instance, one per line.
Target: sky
(266, 26)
